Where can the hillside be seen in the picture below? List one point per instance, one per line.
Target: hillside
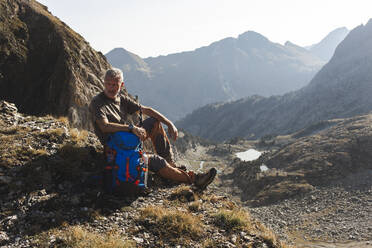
(316, 188)
(50, 197)
(318, 185)
(342, 88)
(46, 67)
(225, 70)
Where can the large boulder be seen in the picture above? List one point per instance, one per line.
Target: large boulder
(46, 67)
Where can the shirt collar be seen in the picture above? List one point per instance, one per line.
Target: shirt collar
(117, 99)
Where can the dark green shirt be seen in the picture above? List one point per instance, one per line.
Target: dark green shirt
(117, 111)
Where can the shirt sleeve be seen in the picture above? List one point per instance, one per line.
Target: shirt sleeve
(131, 106)
(97, 112)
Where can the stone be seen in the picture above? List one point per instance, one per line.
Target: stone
(5, 179)
(233, 238)
(3, 236)
(138, 240)
(75, 200)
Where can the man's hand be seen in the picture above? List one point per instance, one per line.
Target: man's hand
(173, 132)
(140, 132)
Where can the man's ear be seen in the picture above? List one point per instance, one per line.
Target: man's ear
(122, 85)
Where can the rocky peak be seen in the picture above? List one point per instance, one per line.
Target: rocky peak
(326, 47)
(119, 57)
(253, 37)
(46, 67)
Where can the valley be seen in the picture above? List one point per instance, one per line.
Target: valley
(334, 214)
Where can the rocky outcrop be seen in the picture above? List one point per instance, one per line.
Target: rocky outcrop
(332, 155)
(337, 156)
(342, 88)
(46, 67)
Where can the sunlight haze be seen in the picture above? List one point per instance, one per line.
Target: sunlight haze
(153, 28)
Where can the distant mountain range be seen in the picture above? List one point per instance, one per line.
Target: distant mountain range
(226, 70)
(342, 88)
(326, 47)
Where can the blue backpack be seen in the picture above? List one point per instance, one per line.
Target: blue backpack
(125, 171)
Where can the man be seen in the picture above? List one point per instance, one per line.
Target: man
(110, 112)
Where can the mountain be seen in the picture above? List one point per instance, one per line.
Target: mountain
(46, 67)
(326, 47)
(137, 73)
(228, 69)
(342, 88)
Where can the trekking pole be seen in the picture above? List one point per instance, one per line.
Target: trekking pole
(141, 124)
(144, 156)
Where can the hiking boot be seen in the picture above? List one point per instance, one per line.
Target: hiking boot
(202, 180)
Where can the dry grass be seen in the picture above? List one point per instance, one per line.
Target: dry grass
(240, 220)
(72, 153)
(269, 237)
(173, 224)
(195, 206)
(64, 120)
(233, 220)
(36, 152)
(209, 243)
(220, 201)
(183, 193)
(77, 237)
(78, 136)
(10, 130)
(17, 143)
(15, 148)
(55, 132)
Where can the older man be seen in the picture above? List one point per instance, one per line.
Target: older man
(110, 111)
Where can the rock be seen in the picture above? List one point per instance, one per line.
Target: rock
(138, 240)
(233, 238)
(5, 179)
(8, 108)
(75, 200)
(71, 69)
(3, 236)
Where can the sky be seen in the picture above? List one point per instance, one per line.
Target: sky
(160, 27)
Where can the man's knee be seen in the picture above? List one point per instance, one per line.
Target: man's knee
(149, 124)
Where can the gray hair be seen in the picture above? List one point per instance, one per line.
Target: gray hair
(114, 73)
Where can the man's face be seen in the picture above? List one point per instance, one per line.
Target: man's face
(112, 87)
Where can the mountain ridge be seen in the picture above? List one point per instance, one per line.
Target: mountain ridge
(326, 47)
(340, 89)
(225, 70)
